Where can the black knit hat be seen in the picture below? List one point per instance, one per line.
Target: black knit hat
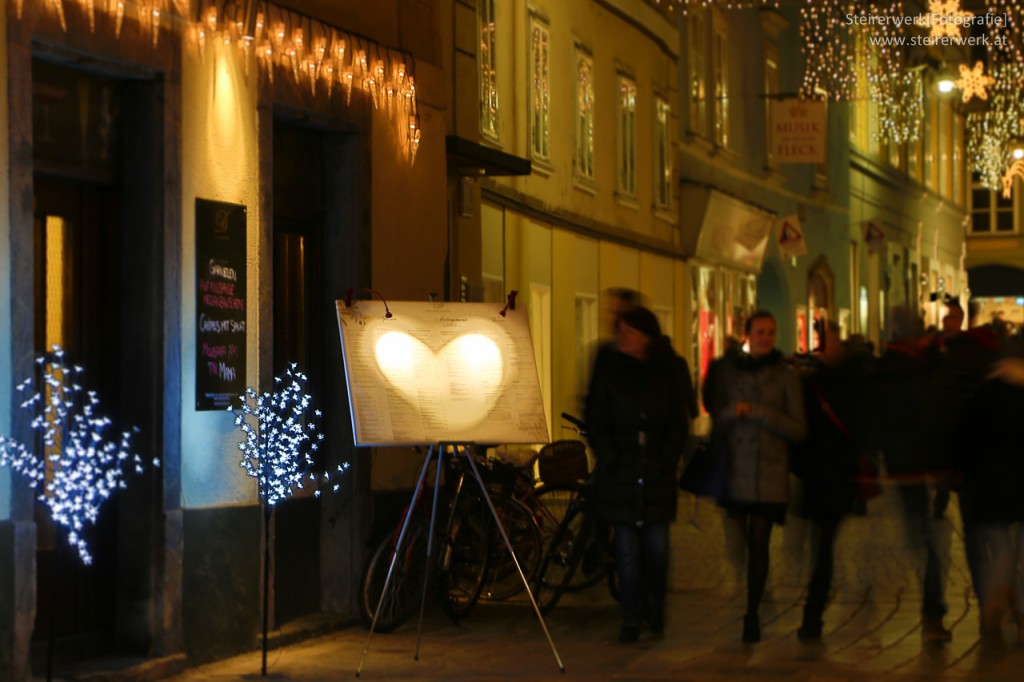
(642, 320)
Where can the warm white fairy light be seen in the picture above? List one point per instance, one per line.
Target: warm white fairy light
(826, 39)
(83, 466)
(686, 5)
(900, 97)
(992, 132)
(279, 438)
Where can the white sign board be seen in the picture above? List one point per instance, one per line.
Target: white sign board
(797, 131)
(440, 372)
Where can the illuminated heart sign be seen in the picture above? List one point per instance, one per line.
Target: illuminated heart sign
(424, 373)
(469, 369)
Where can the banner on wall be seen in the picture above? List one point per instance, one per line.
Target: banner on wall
(797, 131)
(790, 237)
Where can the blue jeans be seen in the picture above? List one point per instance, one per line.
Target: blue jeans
(998, 573)
(917, 514)
(641, 559)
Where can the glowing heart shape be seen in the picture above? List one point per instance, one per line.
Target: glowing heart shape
(456, 385)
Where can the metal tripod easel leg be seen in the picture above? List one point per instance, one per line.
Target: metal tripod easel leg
(399, 545)
(508, 545)
(463, 449)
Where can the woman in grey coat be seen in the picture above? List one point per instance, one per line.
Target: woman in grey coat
(759, 414)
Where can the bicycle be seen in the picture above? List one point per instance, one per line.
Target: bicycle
(579, 554)
(460, 562)
(474, 561)
(504, 481)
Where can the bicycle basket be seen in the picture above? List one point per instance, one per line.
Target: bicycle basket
(563, 462)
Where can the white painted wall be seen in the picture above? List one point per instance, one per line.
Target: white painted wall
(220, 162)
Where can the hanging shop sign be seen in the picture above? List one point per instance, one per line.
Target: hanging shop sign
(733, 233)
(220, 304)
(790, 237)
(874, 236)
(797, 131)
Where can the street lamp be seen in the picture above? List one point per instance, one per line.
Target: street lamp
(945, 81)
(1017, 148)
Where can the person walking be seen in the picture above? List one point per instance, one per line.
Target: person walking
(828, 462)
(760, 413)
(988, 456)
(633, 420)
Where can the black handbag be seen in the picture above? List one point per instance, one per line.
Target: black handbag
(705, 475)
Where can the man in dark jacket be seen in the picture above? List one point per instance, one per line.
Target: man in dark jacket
(828, 461)
(634, 427)
(987, 454)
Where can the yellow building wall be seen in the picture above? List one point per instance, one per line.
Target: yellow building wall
(615, 45)
(220, 162)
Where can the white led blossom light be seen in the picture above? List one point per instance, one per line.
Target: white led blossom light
(278, 440)
(81, 467)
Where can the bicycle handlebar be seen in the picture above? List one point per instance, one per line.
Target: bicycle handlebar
(575, 421)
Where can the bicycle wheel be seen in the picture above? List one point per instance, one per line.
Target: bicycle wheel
(549, 504)
(562, 558)
(407, 578)
(463, 564)
(596, 559)
(502, 579)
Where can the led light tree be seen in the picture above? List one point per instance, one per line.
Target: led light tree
(277, 445)
(82, 463)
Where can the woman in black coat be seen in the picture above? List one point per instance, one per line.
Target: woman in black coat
(636, 425)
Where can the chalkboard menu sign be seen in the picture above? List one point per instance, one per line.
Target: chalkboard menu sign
(220, 304)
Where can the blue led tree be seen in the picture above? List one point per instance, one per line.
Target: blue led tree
(82, 462)
(279, 439)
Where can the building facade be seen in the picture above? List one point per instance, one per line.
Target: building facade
(274, 155)
(580, 98)
(462, 149)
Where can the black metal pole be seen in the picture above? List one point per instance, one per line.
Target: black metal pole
(53, 609)
(267, 511)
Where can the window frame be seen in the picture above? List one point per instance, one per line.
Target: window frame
(996, 207)
(697, 85)
(539, 89)
(583, 136)
(720, 81)
(662, 153)
(625, 136)
(488, 69)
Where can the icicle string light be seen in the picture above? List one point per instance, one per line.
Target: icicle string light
(323, 60)
(314, 55)
(82, 466)
(279, 436)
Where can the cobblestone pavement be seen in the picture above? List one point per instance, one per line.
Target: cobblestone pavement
(872, 625)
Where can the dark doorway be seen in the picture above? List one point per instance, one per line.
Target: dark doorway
(300, 215)
(97, 293)
(320, 251)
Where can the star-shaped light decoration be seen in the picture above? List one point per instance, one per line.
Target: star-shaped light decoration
(974, 82)
(944, 18)
(82, 466)
(1016, 170)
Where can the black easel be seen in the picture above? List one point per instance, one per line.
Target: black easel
(458, 449)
